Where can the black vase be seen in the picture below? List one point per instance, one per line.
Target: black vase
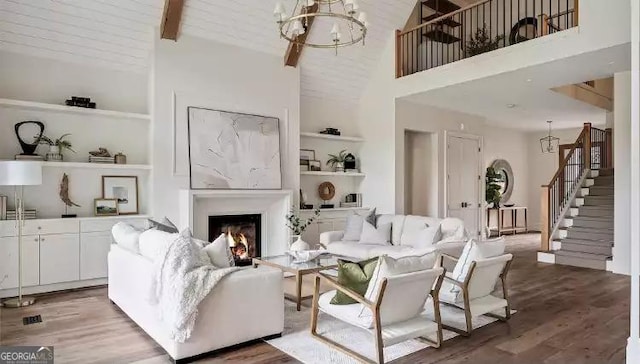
(29, 148)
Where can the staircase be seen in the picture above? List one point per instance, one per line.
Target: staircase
(586, 236)
(578, 204)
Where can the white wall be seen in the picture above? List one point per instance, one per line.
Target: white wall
(622, 173)
(213, 75)
(421, 164)
(542, 167)
(25, 77)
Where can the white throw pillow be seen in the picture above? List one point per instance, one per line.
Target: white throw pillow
(219, 252)
(126, 236)
(153, 242)
(377, 236)
(452, 230)
(423, 238)
(474, 251)
(389, 267)
(353, 227)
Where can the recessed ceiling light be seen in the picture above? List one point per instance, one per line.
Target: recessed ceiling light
(528, 80)
(610, 63)
(511, 106)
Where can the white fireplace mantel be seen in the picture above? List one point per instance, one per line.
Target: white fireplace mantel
(273, 205)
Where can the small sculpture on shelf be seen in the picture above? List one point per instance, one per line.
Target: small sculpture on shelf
(64, 196)
(29, 149)
(101, 155)
(56, 147)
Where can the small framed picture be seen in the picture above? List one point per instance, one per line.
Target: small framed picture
(125, 190)
(105, 207)
(315, 165)
(304, 168)
(307, 155)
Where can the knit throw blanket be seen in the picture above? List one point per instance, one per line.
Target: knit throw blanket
(184, 277)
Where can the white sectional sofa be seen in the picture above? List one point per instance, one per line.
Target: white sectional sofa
(452, 241)
(245, 306)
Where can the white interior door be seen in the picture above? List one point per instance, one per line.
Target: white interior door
(463, 181)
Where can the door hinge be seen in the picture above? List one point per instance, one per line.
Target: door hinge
(479, 150)
(479, 178)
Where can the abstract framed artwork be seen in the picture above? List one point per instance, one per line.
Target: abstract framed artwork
(233, 151)
(125, 190)
(105, 207)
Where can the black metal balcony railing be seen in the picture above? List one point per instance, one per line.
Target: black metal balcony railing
(479, 28)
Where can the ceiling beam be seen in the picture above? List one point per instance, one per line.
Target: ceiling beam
(292, 56)
(171, 17)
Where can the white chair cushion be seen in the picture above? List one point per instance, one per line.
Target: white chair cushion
(395, 251)
(353, 227)
(152, 242)
(352, 249)
(346, 313)
(219, 252)
(376, 236)
(126, 236)
(388, 267)
(474, 251)
(424, 238)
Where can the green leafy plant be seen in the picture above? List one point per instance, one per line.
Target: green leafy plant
(337, 159)
(61, 142)
(481, 42)
(297, 224)
(492, 189)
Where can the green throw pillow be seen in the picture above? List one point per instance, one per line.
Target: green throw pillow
(355, 276)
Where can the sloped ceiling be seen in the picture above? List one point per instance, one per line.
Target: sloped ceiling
(119, 34)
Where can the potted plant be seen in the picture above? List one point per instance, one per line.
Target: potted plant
(337, 161)
(481, 42)
(56, 147)
(492, 189)
(298, 225)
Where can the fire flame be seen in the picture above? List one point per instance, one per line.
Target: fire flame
(233, 244)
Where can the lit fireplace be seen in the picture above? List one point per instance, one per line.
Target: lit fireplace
(242, 232)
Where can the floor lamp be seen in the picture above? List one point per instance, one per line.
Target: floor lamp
(20, 174)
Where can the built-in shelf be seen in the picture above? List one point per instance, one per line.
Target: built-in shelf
(327, 173)
(96, 165)
(332, 137)
(336, 209)
(72, 109)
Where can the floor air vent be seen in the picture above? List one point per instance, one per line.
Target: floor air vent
(31, 320)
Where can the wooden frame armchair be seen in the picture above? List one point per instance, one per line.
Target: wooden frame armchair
(473, 293)
(384, 323)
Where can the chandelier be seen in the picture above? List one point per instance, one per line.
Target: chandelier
(549, 144)
(349, 25)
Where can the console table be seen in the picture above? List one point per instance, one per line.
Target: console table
(513, 228)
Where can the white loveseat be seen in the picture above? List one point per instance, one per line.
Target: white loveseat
(452, 242)
(246, 305)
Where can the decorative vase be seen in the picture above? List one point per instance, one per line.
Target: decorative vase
(339, 167)
(299, 245)
(54, 153)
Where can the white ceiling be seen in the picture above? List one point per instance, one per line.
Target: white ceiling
(119, 33)
(529, 90)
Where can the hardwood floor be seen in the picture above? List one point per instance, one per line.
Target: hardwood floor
(565, 315)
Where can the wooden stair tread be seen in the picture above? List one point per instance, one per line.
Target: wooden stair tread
(448, 21)
(441, 6)
(582, 255)
(607, 243)
(441, 36)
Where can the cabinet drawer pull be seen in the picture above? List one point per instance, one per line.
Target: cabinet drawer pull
(39, 228)
(36, 240)
(41, 239)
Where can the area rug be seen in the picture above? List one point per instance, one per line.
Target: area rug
(297, 341)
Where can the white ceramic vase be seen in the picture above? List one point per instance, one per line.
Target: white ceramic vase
(299, 245)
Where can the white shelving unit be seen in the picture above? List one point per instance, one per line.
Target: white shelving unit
(46, 164)
(334, 174)
(71, 109)
(332, 137)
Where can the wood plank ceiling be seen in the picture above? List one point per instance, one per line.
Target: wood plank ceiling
(119, 34)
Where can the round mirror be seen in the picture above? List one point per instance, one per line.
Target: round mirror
(503, 169)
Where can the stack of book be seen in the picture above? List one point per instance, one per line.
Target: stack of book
(94, 159)
(3, 207)
(352, 200)
(29, 157)
(29, 214)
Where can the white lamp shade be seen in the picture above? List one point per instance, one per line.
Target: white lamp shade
(297, 28)
(20, 173)
(279, 10)
(363, 18)
(311, 3)
(335, 30)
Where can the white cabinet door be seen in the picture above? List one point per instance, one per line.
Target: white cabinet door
(94, 248)
(59, 258)
(9, 262)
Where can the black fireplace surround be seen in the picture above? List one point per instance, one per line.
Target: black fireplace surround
(238, 226)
